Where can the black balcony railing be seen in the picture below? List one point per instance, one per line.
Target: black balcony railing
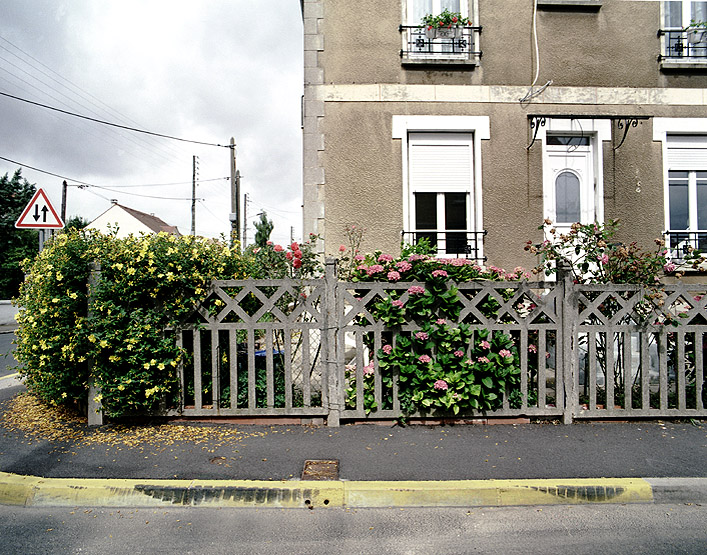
(453, 244)
(684, 44)
(681, 243)
(458, 44)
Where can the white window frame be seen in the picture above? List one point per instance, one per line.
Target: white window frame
(479, 127)
(662, 129)
(683, 61)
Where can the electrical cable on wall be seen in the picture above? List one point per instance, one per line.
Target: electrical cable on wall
(533, 93)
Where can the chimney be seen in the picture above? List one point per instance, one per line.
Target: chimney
(114, 201)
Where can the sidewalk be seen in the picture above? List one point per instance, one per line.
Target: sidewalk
(230, 465)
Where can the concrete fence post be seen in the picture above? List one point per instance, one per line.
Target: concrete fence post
(95, 408)
(565, 277)
(331, 322)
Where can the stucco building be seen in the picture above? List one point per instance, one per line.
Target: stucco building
(124, 221)
(563, 109)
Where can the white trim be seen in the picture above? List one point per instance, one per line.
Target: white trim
(662, 127)
(592, 96)
(478, 126)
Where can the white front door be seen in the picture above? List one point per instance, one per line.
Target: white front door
(569, 181)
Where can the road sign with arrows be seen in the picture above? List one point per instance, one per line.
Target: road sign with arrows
(39, 214)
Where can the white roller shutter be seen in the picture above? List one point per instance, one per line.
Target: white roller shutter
(441, 162)
(687, 152)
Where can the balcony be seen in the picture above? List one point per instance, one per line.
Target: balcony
(451, 244)
(678, 244)
(461, 47)
(683, 49)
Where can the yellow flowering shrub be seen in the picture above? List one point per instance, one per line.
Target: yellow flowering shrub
(146, 284)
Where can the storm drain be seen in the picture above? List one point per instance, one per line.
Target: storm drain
(320, 470)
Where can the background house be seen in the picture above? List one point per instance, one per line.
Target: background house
(129, 221)
(574, 110)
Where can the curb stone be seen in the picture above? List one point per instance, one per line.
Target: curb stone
(35, 491)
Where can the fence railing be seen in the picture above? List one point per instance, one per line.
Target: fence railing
(451, 244)
(684, 44)
(302, 348)
(459, 44)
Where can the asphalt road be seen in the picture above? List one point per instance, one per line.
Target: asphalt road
(548, 530)
(6, 349)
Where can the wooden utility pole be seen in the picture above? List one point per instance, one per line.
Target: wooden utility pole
(193, 194)
(64, 186)
(234, 216)
(245, 220)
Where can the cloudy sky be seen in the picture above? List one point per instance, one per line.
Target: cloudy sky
(202, 70)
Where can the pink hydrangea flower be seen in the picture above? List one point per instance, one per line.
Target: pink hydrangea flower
(441, 385)
(383, 258)
(403, 266)
(368, 369)
(398, 303)
(459, 354)
(414, 257)
(669, 268)
(416, 290)
(485, 345)
(440, 321)
(482, 359)
(439, 273)
(361, 267)
(359, 258)
(393, 276)
(468, 361)
(375, 269)
(505, 353)
(387, 349)
(424, 358)
(422, 335)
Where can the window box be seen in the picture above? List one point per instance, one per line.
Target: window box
(453, 46)
(449, 33)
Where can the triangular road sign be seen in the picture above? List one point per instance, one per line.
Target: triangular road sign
(39, 214)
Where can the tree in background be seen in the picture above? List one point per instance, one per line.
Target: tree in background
(15, 244)
(75, 222)
(263, 229)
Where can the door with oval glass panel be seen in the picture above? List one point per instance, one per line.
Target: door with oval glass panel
(569, 181)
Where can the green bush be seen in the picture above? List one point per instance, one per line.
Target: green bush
(146, 285)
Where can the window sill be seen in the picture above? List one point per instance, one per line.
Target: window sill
(683, 63)
(441, 61)
(576, 5)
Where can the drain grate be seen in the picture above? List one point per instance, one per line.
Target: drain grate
(321, 470)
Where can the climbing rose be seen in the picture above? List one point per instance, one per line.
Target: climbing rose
(294, 246)
(278, 248)
(669, 267)
(387, 349)
(297, 263)
(532, 348)
(368, 369)
(288, 255)
(342, 248)
(441, 384)
(604, 258)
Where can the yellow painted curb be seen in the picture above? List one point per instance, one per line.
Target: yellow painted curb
(15, 375)
(35, 491)
(473, 493)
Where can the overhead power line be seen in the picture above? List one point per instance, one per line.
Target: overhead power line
(45, 171)
(103, 122)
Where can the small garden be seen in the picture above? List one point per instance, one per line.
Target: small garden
(115, 327)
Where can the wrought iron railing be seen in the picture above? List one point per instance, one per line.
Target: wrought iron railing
(457, 244)
(684, 44)
(457, 44)
(680, 244)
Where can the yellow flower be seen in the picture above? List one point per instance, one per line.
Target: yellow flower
(146, 366)
(121, 387)
(103, 343)
(63, 395)
(160, 366)
(92, 338)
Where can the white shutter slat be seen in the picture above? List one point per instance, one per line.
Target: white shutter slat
(440, 167)
(687, 152)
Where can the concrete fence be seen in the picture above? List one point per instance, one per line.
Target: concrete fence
(276, 348)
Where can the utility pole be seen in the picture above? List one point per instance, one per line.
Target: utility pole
(64, 186)
(234, 216)
(245, 220)
(193, 194)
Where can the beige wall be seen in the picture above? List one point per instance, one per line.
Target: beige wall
(598, 67)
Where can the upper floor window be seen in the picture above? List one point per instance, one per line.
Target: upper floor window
(457, 44)
(680, 42)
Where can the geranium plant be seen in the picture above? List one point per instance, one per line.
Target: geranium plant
(445, 19)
